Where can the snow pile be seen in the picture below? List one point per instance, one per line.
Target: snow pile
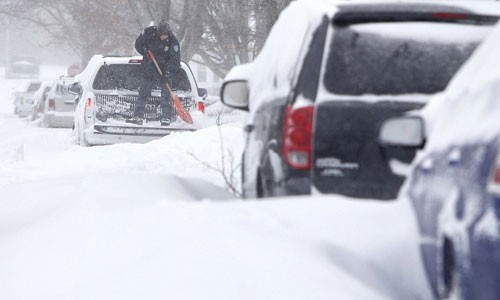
(186, 155)
(92, 246)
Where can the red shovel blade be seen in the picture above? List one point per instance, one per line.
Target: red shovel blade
(185, 115)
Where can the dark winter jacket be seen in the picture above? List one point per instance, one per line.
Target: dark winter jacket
(167, 52)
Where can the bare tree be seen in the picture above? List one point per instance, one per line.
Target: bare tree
(228, 39)
(230, 165)
(266, 13)
(223, 33)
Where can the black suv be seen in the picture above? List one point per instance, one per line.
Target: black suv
(364, 63)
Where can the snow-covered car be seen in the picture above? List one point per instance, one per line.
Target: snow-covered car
(59, 108)
(454, 183)
(315, 110)
(22, 67)
(39, 99)
(108, 89)
(23, 99)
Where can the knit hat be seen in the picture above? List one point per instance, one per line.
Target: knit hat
(163, 28)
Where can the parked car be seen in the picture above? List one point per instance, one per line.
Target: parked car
(39, 99)
(108, 89)
(314, 112)
(59, 108)
(23, 99)
(22, 67)
(454, 183)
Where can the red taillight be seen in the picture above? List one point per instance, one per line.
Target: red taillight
(135, 60)
(201, 107)
(89, 112)
(297, 137)
(52, 104)
(495, 176)
(494, 181)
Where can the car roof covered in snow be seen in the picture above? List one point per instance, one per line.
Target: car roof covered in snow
(99, 59)
(274, 69)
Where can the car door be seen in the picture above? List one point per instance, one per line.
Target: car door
(262, 158)
(446, 189)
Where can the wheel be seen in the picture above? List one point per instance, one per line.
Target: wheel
(264, 187)
(80, 137)
(449, 288)
(243, 190)
(82, 140)
(45, 123)
(260, 186)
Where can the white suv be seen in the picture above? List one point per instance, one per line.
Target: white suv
(108, 89)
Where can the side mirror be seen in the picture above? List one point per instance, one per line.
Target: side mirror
(405, 131)
(203, 93)
(235, 94)
(75, 89)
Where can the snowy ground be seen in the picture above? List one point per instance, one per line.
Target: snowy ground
(153, 221)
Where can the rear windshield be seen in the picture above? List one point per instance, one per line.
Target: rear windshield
(33, 87)
(128, 77)
(398, 58)
(24, 68)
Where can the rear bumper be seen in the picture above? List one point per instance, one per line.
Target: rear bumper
(104, 134)
(59, 119)
(24, 110)
(21, 75)
(296, 186)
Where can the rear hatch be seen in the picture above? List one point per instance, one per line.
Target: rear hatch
(375, 70)
(115, 89)
(348, 158)
(64, 103)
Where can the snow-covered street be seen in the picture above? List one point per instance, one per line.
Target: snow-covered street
(155, 221)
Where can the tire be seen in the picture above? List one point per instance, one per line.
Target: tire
(45, 123)
(83, 141)
(450, 287)
(80, 137)
(260, 186)
(243, 190)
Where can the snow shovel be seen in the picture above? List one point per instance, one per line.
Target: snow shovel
(184, 114)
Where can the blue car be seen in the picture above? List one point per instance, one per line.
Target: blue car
(454, 182)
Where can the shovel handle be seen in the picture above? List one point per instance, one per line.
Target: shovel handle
(172, 95)
(155, 62)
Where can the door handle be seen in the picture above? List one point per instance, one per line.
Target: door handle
(454, 157)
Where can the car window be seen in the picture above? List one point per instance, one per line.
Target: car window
(128, 77)
(307, 84)
(398, 58)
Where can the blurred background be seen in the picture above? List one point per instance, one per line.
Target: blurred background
(214, 34)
